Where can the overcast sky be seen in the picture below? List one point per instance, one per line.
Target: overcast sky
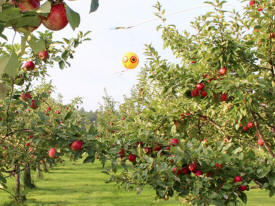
(97, 64)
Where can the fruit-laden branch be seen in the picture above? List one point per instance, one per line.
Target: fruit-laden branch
(12, 172)
(261, 135)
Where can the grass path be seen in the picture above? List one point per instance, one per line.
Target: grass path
(76, 184)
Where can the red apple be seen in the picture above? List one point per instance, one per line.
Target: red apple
(185, 170)
(238, 179)
(252, 3)
(29, 66)
(25, 96)
(31, 136)
(121, 153)
(219, 166)
(33, 105)
(198, 173)
(200, 86)
(148, 150)
(245, 129)
(193, 62)
(176, 171)
(223, 98)
(250, 125)
(157, 148)
(52, 153)
(132, 158)
(57, 18)
(195, 93)
(174, 142)
(243, 187)
(222, 71)
(28, 5)
(203, 93)
(77, 145)
(57, 112)
(44, 55)
(260, 142)
(260, 8)
(272, 35)
(192, 167)
(28, 144)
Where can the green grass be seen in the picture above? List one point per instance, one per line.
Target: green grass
(77, 184)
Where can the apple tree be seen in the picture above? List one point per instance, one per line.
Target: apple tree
(202, 129)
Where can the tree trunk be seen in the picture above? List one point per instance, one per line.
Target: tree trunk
(17, 182)
(27, 177)
(45, 169)
(38, 171)
(51, 164)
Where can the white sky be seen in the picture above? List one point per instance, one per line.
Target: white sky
(97, 64)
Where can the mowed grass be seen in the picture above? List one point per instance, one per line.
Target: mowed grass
(77, 184)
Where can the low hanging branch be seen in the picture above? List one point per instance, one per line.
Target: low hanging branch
(261, 135)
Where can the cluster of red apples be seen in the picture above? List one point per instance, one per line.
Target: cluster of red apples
(257, 5)
(76, 146)
(57, 18)
(199, 90)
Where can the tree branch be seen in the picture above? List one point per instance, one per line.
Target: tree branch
(261, 135)
(215, 124)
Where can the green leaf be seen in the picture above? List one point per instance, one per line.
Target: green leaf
(10, 14)
(271, 180)
(89, 159)
(45, 8)
(68, 115)
(33, 21)
(2, 27)
(94, 5)
(9, 65)
(42, 116)
(92, 129)
(37, 45)
(73, 17)
(243, 197)
(61, 64)
(3, 90)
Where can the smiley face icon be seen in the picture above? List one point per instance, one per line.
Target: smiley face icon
(130, 60)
